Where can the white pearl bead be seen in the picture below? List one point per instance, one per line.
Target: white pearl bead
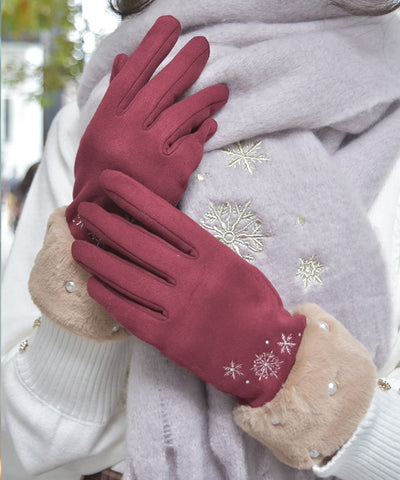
(116, 329)
(275, 421)
(70, 286)
(324, 326)
(314, 453)
(332, 387)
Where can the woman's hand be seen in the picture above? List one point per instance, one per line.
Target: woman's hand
(139, 127)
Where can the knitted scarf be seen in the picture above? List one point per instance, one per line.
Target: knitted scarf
(303, 145)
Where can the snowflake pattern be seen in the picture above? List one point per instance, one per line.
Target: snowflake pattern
(309, 270)
(81, 225)
(266, 365)
(237, 227)
(94, 239)
(246, 155)
(232, 370)
(78, 221)
(287, 344)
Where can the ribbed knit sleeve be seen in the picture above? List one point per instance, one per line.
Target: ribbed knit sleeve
(374, 450)
(64, 399)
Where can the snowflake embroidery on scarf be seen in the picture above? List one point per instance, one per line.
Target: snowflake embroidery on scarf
(309, 270)
(237, 227)
(233, 370)
(266, 365)
(246, 155)
(287, 344)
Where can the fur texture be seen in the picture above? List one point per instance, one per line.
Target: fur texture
(77, 312)
(309, 417)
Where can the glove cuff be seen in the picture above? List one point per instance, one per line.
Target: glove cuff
(323, 400)
(58, 287)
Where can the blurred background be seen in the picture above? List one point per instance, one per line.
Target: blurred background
(45, 44)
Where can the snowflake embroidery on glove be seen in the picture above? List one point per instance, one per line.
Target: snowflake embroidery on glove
(233, 370)
(245, 154)
(266, 365)
(309, 270)
(237, 227)
(78, 221)
(287, 344)
(96, 240)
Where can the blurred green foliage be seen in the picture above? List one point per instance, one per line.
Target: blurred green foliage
(53, 24)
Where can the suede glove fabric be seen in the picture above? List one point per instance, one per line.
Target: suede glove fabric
(140, 129)
(175, 286)
(304, 382)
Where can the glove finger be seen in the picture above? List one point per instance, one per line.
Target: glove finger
(132, 241)
(143, 62)
(139, 320)
(174, 79)
(190, 148)
(152, 211)
(124, 276)
(119, 62)
(206, 131)
(188, 114)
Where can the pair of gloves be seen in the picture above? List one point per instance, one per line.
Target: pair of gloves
(302, 381)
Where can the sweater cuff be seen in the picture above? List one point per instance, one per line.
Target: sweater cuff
(76, 377)
(373, 450)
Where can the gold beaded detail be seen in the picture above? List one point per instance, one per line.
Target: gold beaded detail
(384, 385)
(23, 346)
(37, 323)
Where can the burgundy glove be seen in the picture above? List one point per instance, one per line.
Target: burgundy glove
(139, 130)
(175, 286)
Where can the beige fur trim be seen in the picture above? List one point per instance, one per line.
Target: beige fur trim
(309, 417)
(77, 312)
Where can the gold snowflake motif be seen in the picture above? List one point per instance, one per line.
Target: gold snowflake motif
(309, 270)
(237, 227)
(246, 155)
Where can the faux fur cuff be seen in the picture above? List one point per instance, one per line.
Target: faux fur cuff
(58, 287)
(323, 400)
